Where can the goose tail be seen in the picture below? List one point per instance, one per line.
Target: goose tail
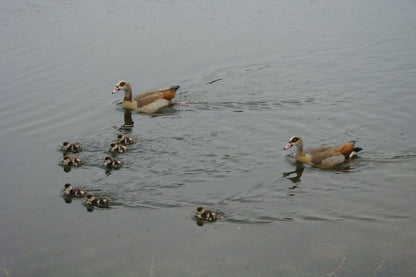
(357, 149)
(175, 88)
(354, 152)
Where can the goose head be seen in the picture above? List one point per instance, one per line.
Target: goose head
(295, 140)
(121, 85)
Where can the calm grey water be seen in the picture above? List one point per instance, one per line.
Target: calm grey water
(252, 74)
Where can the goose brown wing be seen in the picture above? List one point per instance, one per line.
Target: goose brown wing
(332, 161)
(167, 93)
(321, 153)
(150, 98)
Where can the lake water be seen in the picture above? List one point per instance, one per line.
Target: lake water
(252, 74)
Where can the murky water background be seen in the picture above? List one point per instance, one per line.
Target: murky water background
(252, 75)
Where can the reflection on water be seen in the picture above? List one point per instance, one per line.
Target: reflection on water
(67, 199)
(298, 173)
(128, 122)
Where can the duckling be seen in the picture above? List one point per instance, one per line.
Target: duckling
(71, 147)
(117, 148)
(72, 161)
(100, 202)
(74, 192)
(112, 163)
(125, 139)
(208, 215)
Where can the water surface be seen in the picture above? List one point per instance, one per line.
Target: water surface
(252, 75)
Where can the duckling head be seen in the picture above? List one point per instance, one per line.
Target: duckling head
(120, 137)
(90, 198)
(113, 146)
(108, 161)
(65, 145)
(68, 188)
(200, 211)
(67, 160)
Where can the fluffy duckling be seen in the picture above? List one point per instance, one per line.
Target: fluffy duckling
(100, 202)
(117, 148)
(71, 147)
(112, 163)
(74, 192)
(208, 215)
(72, 161)
(125, 139)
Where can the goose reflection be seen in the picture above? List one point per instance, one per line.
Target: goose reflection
(298, 171)
(67, 199)
(128, 122)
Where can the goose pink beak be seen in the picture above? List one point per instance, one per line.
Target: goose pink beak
(288, 146)
(115, 90)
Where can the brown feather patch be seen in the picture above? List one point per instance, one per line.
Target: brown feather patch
(169, 94)
(347, 148)
(149, 99)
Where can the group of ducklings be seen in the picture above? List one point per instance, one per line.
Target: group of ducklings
(201, 213)
(102, 202)
(109, 163)
(93, 201)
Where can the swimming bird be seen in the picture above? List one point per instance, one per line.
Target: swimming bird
(148, 102)
(100, 202)
(74, 192)
(323, 156)
(208, 215)
(112, 163)
(117, 148)
(125, 139)
(71, 147)
(72, 161)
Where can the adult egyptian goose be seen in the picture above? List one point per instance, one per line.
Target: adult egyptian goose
(148, 102)
(207, 215)
(323, 156)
